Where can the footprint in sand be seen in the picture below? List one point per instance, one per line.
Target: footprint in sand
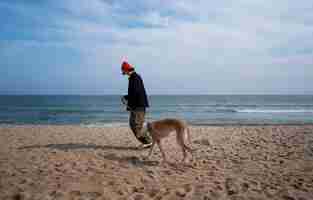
(244, 187)
(201, 191)
(231, 186)
(183, 192)
(85, 195)
(153, 192)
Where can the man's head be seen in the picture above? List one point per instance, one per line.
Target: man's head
(126, 68)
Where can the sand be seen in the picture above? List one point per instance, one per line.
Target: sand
(232, 162)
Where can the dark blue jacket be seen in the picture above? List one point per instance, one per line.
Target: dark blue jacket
(137, 97)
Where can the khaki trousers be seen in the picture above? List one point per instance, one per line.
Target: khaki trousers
(136, 121)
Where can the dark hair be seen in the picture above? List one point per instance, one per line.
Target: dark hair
(131, 69)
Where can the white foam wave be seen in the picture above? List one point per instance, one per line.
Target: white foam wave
(105, 125)
(273, 111)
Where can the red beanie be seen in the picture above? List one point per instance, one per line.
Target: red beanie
(126, 67)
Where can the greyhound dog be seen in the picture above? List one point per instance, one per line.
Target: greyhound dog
(162, 128)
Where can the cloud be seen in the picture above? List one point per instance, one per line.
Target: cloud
(302, 60)
(209, 42)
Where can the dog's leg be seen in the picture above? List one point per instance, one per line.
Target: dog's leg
(180, 138)
(183, 146)
(162, 150)
(181, 141)
(188, 135)
(151, 148)
(190, 142)
(189, 150)
(185, 155)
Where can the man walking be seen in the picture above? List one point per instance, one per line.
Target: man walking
(137, 102)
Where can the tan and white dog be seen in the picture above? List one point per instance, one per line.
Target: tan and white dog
(162, 128)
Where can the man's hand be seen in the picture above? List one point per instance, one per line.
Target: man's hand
(124, 100)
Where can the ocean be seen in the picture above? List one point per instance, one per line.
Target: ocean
(108, 111)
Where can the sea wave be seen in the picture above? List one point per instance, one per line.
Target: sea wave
(221, 110)
(105, 125)
(235, 110)
(60, 110)
(6, 121)
(273, 111)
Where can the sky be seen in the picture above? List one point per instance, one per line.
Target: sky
(177, 46)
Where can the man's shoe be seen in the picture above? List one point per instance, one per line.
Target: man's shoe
(144, 146)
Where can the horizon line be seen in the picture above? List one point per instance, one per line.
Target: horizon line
(159, 94)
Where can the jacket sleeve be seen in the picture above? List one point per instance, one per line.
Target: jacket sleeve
(133, 91)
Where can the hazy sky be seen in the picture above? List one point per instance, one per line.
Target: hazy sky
(179, 47)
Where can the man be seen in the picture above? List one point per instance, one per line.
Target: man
(137, 102)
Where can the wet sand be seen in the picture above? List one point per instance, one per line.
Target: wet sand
(233, 162)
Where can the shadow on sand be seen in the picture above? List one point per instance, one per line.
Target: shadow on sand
(110, 156)
(74, 146)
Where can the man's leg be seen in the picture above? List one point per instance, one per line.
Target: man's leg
(136, 121)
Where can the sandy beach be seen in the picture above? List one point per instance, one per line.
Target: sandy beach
(232, 162)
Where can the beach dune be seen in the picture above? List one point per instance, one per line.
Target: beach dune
(231, 162)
